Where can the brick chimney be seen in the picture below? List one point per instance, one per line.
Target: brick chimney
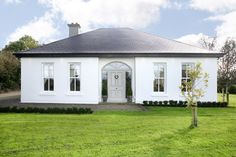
(74, 29)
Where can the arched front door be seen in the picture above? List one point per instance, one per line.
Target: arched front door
(116, 84)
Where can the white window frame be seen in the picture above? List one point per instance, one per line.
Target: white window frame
(191, 64)
(165, 78)
(69, 77)
(47, 92)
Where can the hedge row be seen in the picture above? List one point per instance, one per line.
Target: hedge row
(173, 103)
(72, 110)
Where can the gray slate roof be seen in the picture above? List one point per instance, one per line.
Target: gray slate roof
(116, 42)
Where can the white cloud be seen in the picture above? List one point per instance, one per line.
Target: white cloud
(214, 6)
(223, 11)
(117, 13)
(228, 26)
(41, 29)
(13, 1)
(90, 14)
(193, 39)
(174, 4)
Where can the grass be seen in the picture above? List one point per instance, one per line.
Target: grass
(232, 99)
(158, 132)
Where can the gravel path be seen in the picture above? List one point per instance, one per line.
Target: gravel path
(8, 95)
(13, 99)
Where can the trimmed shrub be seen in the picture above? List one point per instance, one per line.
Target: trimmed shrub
(155, 103)
(55, 110)
(145, 102)
(160, 103)
(150, 103)
(173, 103)
(165, 103)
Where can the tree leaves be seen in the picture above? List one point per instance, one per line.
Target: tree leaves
(24, 43)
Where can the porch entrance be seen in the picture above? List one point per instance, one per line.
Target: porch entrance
(116, 83)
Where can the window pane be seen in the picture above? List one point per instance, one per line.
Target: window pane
(155, 85)
(183, 81)
(46, 84)
(162, 72)
(77, 73)
(77, 70)
(74, 70)
(71, 72)
(161, 85)
(51, 83)
(50, 70)
(75, 77)
(77, 84)
(45, 71)
(159, 77)
(72, 84)
(184, 73)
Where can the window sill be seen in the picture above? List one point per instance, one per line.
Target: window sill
(47, 93)
(74, 93)
(159, 94)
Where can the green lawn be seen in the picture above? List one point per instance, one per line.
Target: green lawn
(232, 99)
(157, 132)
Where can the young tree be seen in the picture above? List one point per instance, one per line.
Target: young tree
(193, 89)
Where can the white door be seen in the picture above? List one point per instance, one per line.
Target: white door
(116, 86)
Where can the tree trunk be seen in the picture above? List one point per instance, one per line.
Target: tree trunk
(194, 116)
(227, 94)
(223, 95)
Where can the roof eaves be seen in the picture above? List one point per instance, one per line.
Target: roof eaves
(122, 54)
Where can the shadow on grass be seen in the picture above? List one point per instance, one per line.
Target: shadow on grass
(164, 111)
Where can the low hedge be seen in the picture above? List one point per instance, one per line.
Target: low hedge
(174, 103)
(73, 110)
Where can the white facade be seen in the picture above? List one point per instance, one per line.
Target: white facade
(32, 90)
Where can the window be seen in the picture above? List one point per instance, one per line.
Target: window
(75, 77)
(159, 77)
(48, 77)
(185, 76)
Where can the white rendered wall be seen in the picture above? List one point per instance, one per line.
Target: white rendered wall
(32, 83)
(91, 79)
(145, 76)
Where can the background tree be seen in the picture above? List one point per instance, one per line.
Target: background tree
(227, 67)
(208, 43)
(226, 64)
(10, 65)
(10, 71)
(193, 89)
(24, 43)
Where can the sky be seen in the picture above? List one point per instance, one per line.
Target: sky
(183, 20)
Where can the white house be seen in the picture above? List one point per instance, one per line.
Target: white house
(117, 64)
